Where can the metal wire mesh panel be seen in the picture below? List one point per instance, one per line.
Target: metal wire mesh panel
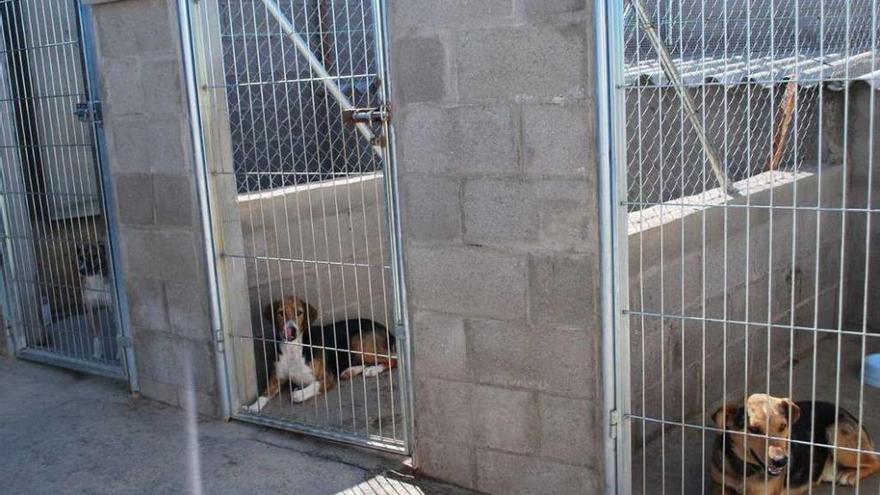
(55, 250)
(748, 216)
(304, 225)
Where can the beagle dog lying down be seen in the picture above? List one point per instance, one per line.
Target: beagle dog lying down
(755, 453)
(311, 357)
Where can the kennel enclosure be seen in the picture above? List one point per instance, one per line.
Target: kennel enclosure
(766, 285)
(55, 222)
(298, 156)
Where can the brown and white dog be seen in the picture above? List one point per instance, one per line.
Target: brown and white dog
(91, 259)
(311, 357)
(756, 454)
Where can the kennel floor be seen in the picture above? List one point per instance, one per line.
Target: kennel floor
(660, 478)
(366, 407)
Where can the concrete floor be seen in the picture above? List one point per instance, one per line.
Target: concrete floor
(364, 407)
(64, 432)
(651, 472)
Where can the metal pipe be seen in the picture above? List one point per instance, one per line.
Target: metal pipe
(303, 48)
(607, 225)
(687, 102)
(200, 166)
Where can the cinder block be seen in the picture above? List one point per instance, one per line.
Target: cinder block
(421, 69)
(123, 89)
(146, 303)
(169, 255)
(499, 472)
(517, 61)
(563, 290)
(148, 145)
(499, 210)
(174, 196)
(567, 216)
(188, 309)
(430, 15)
(468, 281)
(205, 404)
(161, 392)
(443, 409)
(505, 419)
(559, 140)
(448, 461)
(131, 29)
(539, 358)
(567, 426)
(466, 140)
(534, 7)
(168, 359)
(163, 93)
(134, 198)
(433, 208)
(439, 346)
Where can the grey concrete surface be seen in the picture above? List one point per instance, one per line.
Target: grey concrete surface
(65, 432)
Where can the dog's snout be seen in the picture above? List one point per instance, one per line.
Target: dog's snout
(780, 462)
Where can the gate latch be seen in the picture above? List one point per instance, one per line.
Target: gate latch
(88, 111)
(354, 116)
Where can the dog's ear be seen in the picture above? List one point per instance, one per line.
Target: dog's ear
(311, 313)
(725, 415)
(269, 311)
(790, 407)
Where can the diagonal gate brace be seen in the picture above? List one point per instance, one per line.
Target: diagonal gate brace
(690, 108)
(324, 76)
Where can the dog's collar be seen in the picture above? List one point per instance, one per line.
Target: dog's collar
(739, 464)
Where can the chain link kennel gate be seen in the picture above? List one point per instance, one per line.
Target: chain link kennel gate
(57, 254)
(742, 198)
(296, 143)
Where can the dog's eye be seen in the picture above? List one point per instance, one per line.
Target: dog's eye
(755, 430)
(299, 312)
(782, 427)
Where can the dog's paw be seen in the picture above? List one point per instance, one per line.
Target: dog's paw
(371, 371)
(847, 477)
(351, 372)
(298, 395)
(97, 348)
(258, 405)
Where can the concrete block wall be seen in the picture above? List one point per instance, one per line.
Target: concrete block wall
(150, 161)
(494, 110)
(862, 246)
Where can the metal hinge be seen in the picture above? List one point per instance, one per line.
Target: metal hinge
(380, 114)
(219, 340)
(88, 111)
(613, 423)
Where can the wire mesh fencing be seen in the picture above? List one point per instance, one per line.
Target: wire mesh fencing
(295, 131)
(751, 305)
(55, 250)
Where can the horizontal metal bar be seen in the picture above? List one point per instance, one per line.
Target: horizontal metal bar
(674, 205)
(693, 426)
(302, 261)
(312, 347)
(289, 81)
(373, 442)
(803, 84)
(701, 319)
(77, 364)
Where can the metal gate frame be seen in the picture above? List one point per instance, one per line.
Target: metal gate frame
(224, 358)
(127, 369)
(611, 162)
